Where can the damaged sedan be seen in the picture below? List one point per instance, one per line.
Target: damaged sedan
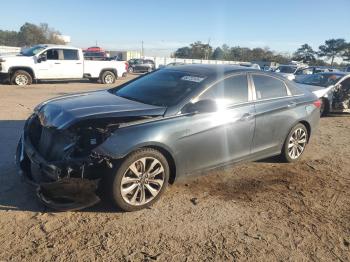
(130, 141)
(333, 88)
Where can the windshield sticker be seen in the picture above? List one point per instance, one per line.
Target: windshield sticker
(196, 79)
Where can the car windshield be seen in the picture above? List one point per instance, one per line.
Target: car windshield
(286, 69)
(161, 88)
(33, 50)
(324, 80)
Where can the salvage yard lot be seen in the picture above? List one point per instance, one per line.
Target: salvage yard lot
(259, 211)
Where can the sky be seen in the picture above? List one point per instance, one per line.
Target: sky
(165, 25)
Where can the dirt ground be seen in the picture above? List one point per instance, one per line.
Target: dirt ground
(262, 211)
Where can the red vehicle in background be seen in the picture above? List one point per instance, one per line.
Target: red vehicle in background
(95, 53)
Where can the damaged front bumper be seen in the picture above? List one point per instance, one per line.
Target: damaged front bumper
(64, 194)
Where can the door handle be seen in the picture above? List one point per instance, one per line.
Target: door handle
(78, 63)
(57, 63)
(246, 116)
(292, 104)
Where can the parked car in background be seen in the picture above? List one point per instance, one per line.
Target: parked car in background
(141, 65)
(332, 87)
(152, 130)
(302, 72)
(55, 62)
(287, 71)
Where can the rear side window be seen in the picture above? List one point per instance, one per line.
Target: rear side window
(232, 90)
(268, 87)
(70, 54)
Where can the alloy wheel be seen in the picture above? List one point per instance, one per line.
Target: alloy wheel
(142, 181)
(109, 79)
(297, 143)
(21, 80)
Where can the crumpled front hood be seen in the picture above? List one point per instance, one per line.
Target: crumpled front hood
(65, 111)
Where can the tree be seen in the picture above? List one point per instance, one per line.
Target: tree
(200, 50)
(30, 34)
(332, 49)
(9, 38)
(346, 53)
(305, 54)
(218, 54)
(183, 52)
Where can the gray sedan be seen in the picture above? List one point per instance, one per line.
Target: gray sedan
(134, 139)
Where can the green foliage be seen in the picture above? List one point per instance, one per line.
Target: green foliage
(30, 34)
(346, 53)
(332, 48)
(305, 54)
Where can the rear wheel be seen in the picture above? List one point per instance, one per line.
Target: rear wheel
(131, 69)
(139, 180)
(108, 77)
(295, 143)
(21, 78)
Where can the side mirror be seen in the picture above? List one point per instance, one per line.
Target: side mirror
(42, 58)
(202, 106)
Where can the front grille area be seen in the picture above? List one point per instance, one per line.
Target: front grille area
(52, 144)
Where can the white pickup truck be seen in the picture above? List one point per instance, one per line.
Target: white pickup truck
(55, 62)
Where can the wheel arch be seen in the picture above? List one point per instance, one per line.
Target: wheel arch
(308, 128)
(167, 152)
(113, 70)
(28, 69)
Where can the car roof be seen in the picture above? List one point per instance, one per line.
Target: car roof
(210, 70)
(57, 46)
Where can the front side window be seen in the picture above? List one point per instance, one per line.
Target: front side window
(70, 54)
(232, 90)
(268, 87)
(52, 54)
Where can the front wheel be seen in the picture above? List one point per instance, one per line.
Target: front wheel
(21, 78)
(140, 179)
(295, 143)
(108, 77)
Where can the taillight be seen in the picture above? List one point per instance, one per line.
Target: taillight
(318, 103)
(126, 66)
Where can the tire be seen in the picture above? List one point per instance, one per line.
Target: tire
(122, 179)
(149, 70)
(21, 78)
(324, 110)
(131, 69)
(108, 77)
(290, 151)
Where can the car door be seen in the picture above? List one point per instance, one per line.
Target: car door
(50, 66)
(72, 64)
(274, 113)
(138, 65)
(221, 136)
